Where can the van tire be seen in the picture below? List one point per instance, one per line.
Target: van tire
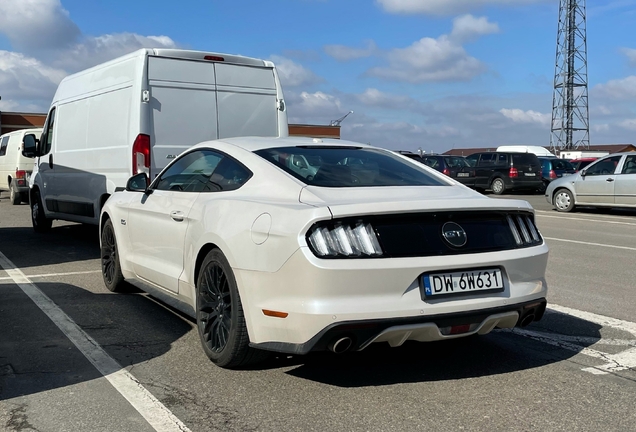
(14, 196)
(41, 223)
(498, 186)
(224, 339)
(111, 268)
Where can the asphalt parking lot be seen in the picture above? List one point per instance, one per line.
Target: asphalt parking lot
(574, 370)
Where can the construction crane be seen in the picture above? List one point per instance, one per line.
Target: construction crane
(570, 117)
(338, 121)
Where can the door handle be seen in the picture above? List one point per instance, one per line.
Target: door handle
(609, 180)
(51, 161)
(177, 216)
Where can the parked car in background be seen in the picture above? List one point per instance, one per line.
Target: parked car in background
(506, 171)
(553, 168)
(455, 167)
(15, 169)
(608, 182)
(372, 248)
(581, 163)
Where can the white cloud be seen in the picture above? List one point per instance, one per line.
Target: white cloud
(377, 98)
(467, 28)
(520, 116)
(344, 53)
(23, 77)
(623, 88)
(37, 25)
(604, 127)
(292, 74)
(630, 53)
(445, 7)
(629, 124)
(313, 108)
(429, 60)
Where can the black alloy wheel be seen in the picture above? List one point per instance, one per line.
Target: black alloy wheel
(111, 269)
(220, 318)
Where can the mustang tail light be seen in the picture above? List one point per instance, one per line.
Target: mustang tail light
(141, 155)
(345, 240)
(513, 172)
(552, 174)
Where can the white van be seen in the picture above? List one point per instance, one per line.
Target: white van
(136, 113)
(15, 169)
(537, 150)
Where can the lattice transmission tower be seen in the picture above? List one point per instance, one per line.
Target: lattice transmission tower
(570, 115)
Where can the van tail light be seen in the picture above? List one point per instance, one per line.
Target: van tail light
(553, 174)
(20, 177)
(446, 171)
(141, 155)
(513, 172)
(213, 58)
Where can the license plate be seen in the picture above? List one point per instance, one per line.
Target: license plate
(566, 174)
(530, 174)
(449, 283)
(462, 174)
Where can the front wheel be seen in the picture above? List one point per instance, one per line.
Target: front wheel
(111, 269)
(563, 200)
(497, 186)
(39, 220)
(220, 318)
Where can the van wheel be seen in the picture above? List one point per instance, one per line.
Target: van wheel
(14, 195)
(111, 269)
(220, 318)
(40, 222)
(563, 200)
(497, 186)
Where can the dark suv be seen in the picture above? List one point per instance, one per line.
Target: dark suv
(506, 171)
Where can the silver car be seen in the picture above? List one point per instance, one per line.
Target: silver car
(608, 182)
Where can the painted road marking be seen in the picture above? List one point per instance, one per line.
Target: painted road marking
(54, 274)
(621, 361)
(619, 218)
(155, 413)
(590, 244)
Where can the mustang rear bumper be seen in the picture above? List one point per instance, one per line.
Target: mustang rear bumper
(423, 329)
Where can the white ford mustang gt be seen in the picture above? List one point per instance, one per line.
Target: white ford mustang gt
(296, 245)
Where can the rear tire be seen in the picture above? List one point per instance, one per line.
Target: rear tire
(111, 269)
(220, 318)
(498, 186)
(563, 200)
(14, 195)
(41, 223)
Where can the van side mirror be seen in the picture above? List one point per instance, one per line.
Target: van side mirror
(30, 146)
(138, 183)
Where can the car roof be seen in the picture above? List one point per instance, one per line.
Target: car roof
(258, 143)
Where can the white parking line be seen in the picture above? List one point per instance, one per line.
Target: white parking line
(587, 220)
(621, 361)
(55, 274)
(155, 413)
(554, 213)
(591, 244)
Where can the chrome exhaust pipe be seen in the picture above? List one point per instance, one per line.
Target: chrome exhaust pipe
(340, 345)
(526, 320)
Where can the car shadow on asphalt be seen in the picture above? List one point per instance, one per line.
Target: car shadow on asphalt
(63, 244)
(497, 353)
(35, 356)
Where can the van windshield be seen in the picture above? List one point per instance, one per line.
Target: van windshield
(340, 166)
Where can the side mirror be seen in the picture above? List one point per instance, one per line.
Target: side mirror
(583, 172)
(30, 146)
(138, 183)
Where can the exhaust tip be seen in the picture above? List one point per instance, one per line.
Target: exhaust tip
(340, 345)
(526, 320)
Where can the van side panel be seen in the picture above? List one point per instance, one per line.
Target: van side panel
(246, 101)
(183, 104)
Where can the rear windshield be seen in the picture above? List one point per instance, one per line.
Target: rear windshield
(561, 164)
(348, 167)
(525, 159)
(456, 162)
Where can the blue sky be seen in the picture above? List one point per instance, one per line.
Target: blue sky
(433, 74)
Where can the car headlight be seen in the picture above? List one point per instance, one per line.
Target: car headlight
(355, 239)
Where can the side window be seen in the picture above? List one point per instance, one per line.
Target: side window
(46, 142)
(3, 145)
(432, 162)
(487, 159)
(502, 159)
(603, 167)
(228, 175)
(190, 173)
(472, 159)
(628, 168)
